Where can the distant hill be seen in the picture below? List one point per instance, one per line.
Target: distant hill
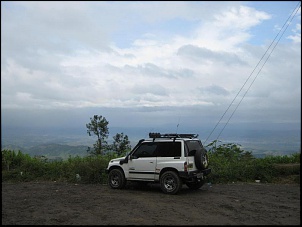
(51, 150)
(63, 143)
(15, 148)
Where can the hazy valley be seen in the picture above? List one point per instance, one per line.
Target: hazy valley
(72, 142)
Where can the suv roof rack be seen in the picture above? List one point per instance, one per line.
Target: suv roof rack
(171, 135)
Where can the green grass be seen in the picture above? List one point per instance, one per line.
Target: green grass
(229, 163)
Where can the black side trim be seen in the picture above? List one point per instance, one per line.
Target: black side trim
(137, 172)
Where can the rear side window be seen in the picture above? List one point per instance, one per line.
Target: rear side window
(168, 149)
(193, 146)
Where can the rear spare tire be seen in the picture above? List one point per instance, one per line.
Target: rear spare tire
(201, 159)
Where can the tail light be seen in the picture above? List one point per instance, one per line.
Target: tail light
(185, 167)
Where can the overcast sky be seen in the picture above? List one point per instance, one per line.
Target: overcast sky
(150, 63)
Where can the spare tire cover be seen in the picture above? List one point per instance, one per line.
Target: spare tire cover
(201, 159)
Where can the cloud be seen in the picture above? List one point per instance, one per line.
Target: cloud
(204, 55)
(241, 17)
(188, 57)
(214, 89)
(296, 37)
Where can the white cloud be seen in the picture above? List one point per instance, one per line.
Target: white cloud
(296, 37)
(241, 18)
(62, 55)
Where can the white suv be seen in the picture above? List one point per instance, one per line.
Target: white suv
(170, 159)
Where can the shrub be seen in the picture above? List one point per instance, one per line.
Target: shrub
(229, 163)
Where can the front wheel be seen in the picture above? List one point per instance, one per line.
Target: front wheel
(116, 179)
(170, 183)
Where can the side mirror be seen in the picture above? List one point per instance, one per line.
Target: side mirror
(125, 160)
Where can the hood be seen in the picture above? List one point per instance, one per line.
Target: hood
(117, 159)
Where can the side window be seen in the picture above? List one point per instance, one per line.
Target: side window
(186, 150)
(169, 149)
(145, 150)
(193, 146)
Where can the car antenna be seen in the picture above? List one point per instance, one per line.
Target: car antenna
(177, 125)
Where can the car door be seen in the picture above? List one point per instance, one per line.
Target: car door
(142, 162)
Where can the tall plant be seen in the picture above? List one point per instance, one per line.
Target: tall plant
(98, 126)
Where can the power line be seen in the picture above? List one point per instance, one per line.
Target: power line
(287, 23)
(257, 74)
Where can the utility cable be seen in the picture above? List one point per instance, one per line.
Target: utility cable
(292, 15)
(258, 72)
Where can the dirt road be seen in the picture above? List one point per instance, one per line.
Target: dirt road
(53, 203)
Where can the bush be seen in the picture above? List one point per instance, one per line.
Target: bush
(19, 167)
(229, 163)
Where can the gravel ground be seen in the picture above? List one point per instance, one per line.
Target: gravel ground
(57, 203)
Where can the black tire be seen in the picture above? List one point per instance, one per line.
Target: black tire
(170, 183)
(201, 159)
(195, 185)
(116, 179)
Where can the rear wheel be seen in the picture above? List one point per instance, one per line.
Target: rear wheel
(195, 185)
(170, 183)
(116, 179)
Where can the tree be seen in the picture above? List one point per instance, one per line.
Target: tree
(121, 144)
(99, 126)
